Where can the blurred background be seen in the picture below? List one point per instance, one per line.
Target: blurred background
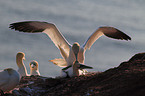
(76, 20)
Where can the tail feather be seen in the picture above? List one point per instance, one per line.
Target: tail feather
(59, 62)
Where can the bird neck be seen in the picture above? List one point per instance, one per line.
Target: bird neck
(34, 72)
(34, 69)
(21, 67)
(76, 55)
(20, 62)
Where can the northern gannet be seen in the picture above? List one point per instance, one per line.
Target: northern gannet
(9, 79)
(76, 68)
(62, 44)
(21, 66)
(34, 70)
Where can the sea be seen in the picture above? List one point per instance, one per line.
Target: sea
(76, 20)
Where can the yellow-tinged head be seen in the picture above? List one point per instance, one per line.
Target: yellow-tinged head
(33, 65)
(20, 55)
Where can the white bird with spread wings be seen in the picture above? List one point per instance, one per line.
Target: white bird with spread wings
(62, 44)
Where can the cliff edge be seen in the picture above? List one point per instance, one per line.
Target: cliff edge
(128, 79)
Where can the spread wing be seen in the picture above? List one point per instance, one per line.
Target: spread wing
(48, 28)
(107, 31)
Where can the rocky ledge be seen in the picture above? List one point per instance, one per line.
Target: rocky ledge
(128, 79)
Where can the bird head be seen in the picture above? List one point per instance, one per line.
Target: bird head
(9, 70)
(20, 55)
(76, 48)
(33, 65)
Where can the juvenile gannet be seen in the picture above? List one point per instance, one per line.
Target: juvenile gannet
(21, 66)
(62, 44)
(9, 79)
(34, 70)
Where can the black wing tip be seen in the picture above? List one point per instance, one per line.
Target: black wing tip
(23, 27)
(11, 26)
(123, 37)
(128, 38)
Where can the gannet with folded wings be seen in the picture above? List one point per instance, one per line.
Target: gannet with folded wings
(9, 79)
(34, 70)
(62, 44)
(21, 66)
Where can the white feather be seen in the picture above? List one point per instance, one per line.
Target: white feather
(9, 79)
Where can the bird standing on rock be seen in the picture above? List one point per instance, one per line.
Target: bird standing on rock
(21, 66)
(34, 70)
(62, 44)
(76, 68)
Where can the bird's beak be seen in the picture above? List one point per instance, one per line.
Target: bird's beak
(24, 58)
(32, 66)
(82, 66)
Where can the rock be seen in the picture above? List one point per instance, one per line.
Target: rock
(139, 56)
(128, 79)
(16, 93)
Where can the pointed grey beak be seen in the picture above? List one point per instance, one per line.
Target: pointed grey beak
(32, 65)
(24, 58)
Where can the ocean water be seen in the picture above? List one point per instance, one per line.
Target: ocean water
(77, 20)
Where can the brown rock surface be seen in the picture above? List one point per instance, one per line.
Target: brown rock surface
(128, 79)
